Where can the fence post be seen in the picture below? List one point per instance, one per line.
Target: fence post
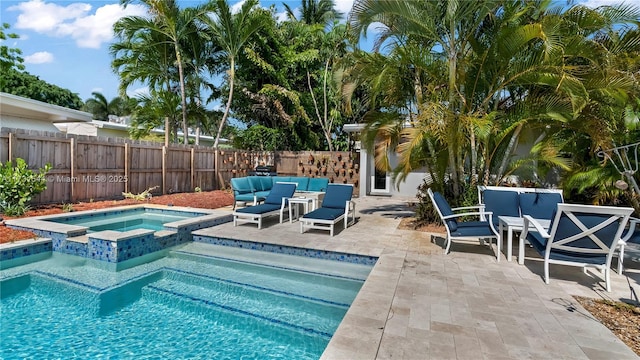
(164, 170)
(127, 175)
(12, 143)
(193, 170)
(72, 171)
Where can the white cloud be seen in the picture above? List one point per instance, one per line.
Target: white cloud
(344, 6)
(41, 57)
(235, 8)
(596, 3)
(73, 20)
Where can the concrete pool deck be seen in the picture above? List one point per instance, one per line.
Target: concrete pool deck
(418, 303)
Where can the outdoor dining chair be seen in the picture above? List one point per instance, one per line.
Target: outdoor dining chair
(465, 230)
(580, 235)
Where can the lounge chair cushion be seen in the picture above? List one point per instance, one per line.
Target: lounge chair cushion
(279, 191)
(337, 197)
(445, 209)
(501, 203)
(539, 205)
(325, 213)
(259, 209)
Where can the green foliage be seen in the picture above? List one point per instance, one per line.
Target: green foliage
(259, 137)
(67, 207)
(10, 58)
(18, 184)
(30, 86)
(141, 196)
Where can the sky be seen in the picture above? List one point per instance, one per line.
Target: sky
(66, 42)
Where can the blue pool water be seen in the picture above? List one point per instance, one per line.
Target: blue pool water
(126, 220)
(200, 301)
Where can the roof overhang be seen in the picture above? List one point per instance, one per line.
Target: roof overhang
(18, 106)
(353, 128)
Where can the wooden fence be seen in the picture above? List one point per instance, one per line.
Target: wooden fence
(86, 168)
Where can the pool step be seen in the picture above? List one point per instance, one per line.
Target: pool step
(274, 277)
(207, 295)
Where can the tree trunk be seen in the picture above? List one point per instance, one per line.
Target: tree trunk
(508, 151)
(167, 131)
(228, 107)
(183, 97)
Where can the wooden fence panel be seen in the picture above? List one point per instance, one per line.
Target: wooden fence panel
(178, 172)
(204, 169)
(87, 168)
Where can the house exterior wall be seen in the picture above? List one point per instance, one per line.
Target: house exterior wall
(15, 122)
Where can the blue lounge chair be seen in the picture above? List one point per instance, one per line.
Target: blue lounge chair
(465, 230)
(336, 206)
(276, 202)
(580, 235)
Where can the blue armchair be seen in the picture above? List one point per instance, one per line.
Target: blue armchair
(465, 230)
(580, 235)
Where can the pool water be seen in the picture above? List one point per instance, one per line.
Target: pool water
(125, 220)
(200, 301)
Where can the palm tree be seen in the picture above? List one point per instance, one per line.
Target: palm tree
(101, 108)
(231, 32)
(313, 12)
(172, 27)
(470, 77)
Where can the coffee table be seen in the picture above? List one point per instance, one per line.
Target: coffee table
(512, 224)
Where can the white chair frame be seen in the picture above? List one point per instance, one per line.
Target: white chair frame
(633, 224)
(307, 223)
(257, 218)
(616, 214)
(484, 216)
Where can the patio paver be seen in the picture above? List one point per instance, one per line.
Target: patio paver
(418, 303)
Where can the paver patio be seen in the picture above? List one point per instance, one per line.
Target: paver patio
(420, 304)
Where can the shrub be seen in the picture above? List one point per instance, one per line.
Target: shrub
(18, 185)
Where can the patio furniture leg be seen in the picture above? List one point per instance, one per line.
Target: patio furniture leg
(620, 259)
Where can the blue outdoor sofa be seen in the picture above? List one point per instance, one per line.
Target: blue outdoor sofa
(255, 189)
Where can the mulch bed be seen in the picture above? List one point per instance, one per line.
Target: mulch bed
(622, 319)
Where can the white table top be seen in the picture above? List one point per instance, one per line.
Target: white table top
(516, 221)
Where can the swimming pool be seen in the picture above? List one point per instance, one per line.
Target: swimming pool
(125, 220)
(198, 301)
(114, 235)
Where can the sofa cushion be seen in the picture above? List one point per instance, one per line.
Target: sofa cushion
(539, 205)
(261, 183)
(318, 184)
(277, 179)
(501, 203)
(303, 182)
(241, 185)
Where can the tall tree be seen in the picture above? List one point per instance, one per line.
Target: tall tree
(470, 76)
(231, 32)
(10, 58)
(174, 27)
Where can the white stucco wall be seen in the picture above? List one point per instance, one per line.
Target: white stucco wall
(10, 121)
